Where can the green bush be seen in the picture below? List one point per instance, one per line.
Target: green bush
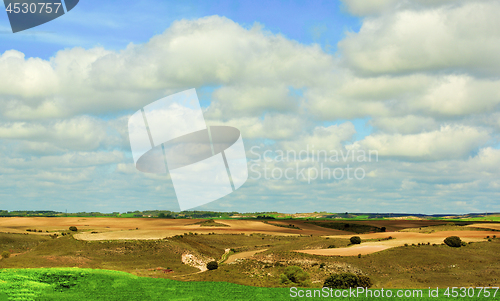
(212, 265)
(355, 240)
(73, 228)
(453, 241)
(347, 280)
(5, 254)
(294, 275)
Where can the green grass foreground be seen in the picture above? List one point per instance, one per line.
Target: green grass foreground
(90, 284)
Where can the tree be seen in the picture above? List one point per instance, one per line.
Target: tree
(355, 240)
(382, 229)
(5, 254)
(161, 215)
(347, 280)
(73, 228)
(212, 265)
(295, 275)
(453, 241)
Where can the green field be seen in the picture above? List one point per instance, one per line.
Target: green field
(89, 284)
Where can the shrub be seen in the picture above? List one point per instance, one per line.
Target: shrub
(294, 275)
(355, 240)
(406, 245)
(331, 246)
(382, 229)
(212, 265)
(453, 241)
(73, 228)
(359, 255)
(347, 280)
(5, 254)
(364, 281)
(322, 265)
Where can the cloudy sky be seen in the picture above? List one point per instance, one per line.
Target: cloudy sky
(415, 81)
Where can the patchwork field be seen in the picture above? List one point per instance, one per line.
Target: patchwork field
(154, 228)
(257, 252)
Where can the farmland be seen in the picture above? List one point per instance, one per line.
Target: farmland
(394, 253)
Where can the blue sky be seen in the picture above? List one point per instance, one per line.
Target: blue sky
(413, 80)
(115, 24)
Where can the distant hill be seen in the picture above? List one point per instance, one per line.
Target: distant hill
(249, 215)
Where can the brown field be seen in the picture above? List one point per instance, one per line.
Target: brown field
(399, 239)
(486, 226)
(154, 228)
(151, 228)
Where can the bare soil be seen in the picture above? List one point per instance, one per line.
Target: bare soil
(399, 239)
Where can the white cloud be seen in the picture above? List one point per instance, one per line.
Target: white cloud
(79, 133)
(409, 124)
(321, 138)
(376, 7)
(459, 95)
(459, 38)
(214, 50)
(271, 126)
(363, 7)
(450, 142)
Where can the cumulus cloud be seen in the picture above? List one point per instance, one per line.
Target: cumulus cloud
(424, 72)
(79, 133)
(376, 7)
(321, 138)
(256, 66)
(449, 142)
(410, 124)
(270, 126)
(460, 38)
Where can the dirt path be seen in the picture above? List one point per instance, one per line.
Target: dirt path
(224, 256)
(399, 239)
(242, 255)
